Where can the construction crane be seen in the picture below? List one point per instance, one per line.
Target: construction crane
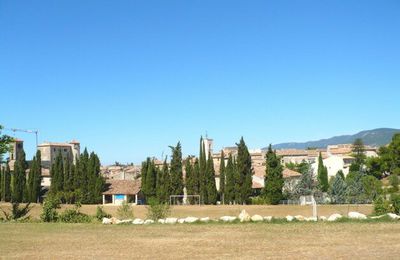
(25, 131)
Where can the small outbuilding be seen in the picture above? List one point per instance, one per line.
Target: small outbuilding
(118, 191)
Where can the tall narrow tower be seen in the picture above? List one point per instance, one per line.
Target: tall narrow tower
(208, 145)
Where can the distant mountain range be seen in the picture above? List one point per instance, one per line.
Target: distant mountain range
(376, 137)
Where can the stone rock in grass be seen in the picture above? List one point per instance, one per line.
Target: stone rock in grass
(148, 221)
(106, 221)
(357, 215)
(311, 219)
(244, 216)
(137, 221)
(227, 218)
(299, 218)
(378, 217)
(393, 216)
(334, 217)
(114, 220)
(268, 218)
(171, 220)
(161, 221)
(289, 218)
(191, 219)
(206, 219)
(257, 218)
(181, 220)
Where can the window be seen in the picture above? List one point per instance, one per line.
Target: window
(65, 149)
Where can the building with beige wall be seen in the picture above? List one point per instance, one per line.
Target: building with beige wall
(49, 151)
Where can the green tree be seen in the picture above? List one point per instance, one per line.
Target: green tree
(273, 178)
(176, 170)
(7, 184)
(19, 178)
(163, 183)
(341, 174)
(394, 182)
(359, 155)
(203, 173)
(57, 174)
(354, 187)
(34, 179)
(322, 175)
(5, 141)
(306, 185)
(211, 187)
(151, 180)
(230, 181)
(372, 187)
(222, 177)
(337, 189)
(245, 172)
(143, 174)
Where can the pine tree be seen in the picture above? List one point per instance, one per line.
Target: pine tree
(211, 187)
(273, 178)
(222, 177)
(359, 154)
(245, 172)
(176, 170)
(322, 175)
(230, 181)
(19, 179)
(306, 185)
(337, 190)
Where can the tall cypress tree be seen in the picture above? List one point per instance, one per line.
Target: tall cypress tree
(189, 177)
(203, 173)
(230, 181)
(176, 170)
(151, 180)
(222, 177)
(7, 184)
(322, 175)
(273, 178)
(19, 179)
(196, 174)
(211, 187)
(1, 183)
(245, 172)
(143, 174)
(30, 184)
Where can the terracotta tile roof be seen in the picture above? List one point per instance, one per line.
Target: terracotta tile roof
(292, 152)
(126, 187)
(287, 173)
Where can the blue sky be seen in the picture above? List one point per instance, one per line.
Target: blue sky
(129, 78)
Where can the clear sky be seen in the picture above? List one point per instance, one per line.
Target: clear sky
(129, 78)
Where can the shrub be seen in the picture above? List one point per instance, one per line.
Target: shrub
(382, 206)
(257, 200)
(395, 200)
(17, 212)
(157, 210)
(50, 206)
(74, 216)
(100, 213)
(125, 211)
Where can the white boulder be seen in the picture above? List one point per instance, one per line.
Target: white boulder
(171, 220)
(148, 221)
(311, 219)
(106, 221)
(181, 220)
(137, 221)
(334, 217)
(357, 215)
(161, 221)
(268, 218)
(378, 217)
(206, 219)
(191, 219)
(227, 218)
(257, 218)
(244, 216)
(299, 218)
(289, 218)
(323, 218)
(114, 220)
(393, 216)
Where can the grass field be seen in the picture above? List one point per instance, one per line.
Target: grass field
(201, 241)
(222, 210)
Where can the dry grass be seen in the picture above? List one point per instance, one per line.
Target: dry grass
(199, 241)
(222, 210)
